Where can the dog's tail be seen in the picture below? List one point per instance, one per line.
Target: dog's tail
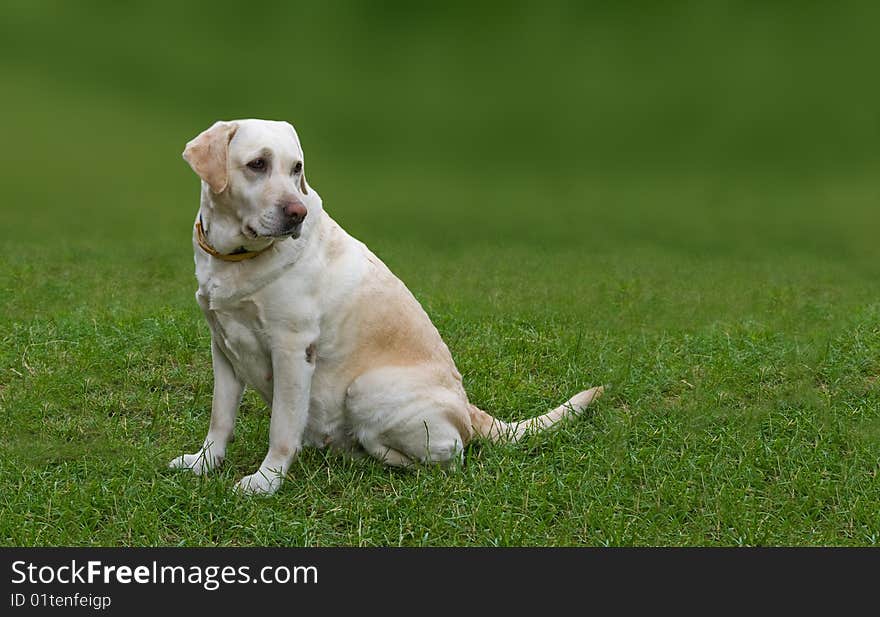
(497, 431)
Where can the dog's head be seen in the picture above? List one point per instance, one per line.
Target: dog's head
(254, 182)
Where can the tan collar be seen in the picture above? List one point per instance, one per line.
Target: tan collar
(239, 255)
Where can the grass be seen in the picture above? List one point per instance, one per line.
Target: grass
(682, 205)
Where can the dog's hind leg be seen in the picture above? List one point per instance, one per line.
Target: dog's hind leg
(403, 415)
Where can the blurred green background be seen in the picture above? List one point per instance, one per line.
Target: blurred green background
(691, 125)
(666, 195)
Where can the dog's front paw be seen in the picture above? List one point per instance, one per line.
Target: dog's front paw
(199, 463)
(263, 482)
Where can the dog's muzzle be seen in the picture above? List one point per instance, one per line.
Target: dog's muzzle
(293, 213)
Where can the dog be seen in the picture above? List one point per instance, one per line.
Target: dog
(310, 318)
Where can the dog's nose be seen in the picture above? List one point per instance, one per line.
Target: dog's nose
(294, 210)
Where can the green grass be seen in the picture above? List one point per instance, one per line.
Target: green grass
(680, 203)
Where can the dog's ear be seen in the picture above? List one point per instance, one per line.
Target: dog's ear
(208, 154)
(302, 177)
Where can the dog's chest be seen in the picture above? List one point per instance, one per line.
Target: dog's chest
(241, 333)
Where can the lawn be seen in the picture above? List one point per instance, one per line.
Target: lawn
(683, 205)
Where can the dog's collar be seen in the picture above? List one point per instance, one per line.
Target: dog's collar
(240, 254)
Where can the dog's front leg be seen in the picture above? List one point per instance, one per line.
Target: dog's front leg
(292, 366)
(228, 389)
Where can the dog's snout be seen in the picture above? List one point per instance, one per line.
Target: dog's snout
(294, 210)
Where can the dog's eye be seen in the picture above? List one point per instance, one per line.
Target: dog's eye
(298, 167)
(257, 165)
